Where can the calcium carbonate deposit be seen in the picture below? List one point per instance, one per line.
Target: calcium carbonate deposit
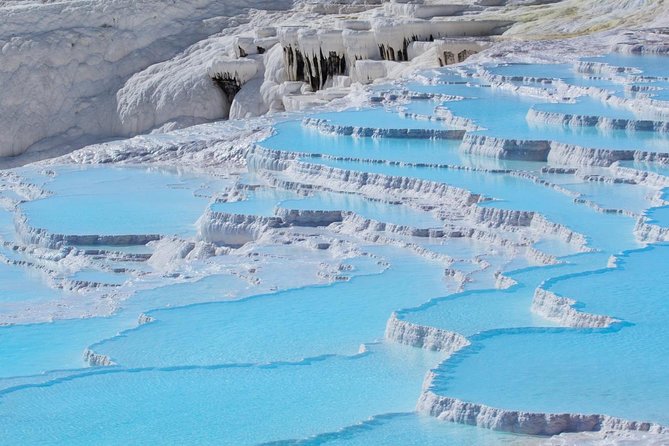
(334, 222)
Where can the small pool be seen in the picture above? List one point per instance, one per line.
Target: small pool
(119, 201)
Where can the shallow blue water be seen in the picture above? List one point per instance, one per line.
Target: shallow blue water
(539, 71)
(409, 429)
(256, 202)
(210, 369)
(229, 401)
(19, 284)
(521, 194)
(662, 92)
(473, 312)
(36, 348)
(468, 88)
(619, 371)
(630, 197)
(395, 149)
(428, 151)
(377, 117)
(296, 324)
(119, 201)
(375, 210)
(264, 202)
(502, 114)
(505, 119)
(593, 107)
(564, 72)
(423, 108)
(648, 64)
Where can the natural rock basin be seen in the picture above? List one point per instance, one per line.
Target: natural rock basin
(550, 359)
(174, 205)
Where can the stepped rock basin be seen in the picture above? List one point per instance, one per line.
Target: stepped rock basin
(478, 259)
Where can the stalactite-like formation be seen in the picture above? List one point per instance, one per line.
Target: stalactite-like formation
(228, 84)
(294, 62)
(314, 70)
(317, 56)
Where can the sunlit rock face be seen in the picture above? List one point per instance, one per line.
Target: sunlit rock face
(94, 70)
(127, 77)
(63, 63)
